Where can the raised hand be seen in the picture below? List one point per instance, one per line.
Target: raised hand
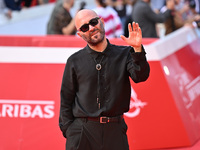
(135, 37)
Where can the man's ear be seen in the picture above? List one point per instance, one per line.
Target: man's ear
(102, 21)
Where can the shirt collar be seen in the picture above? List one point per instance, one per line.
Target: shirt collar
(95, 54)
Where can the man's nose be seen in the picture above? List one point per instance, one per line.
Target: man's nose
(91, 27)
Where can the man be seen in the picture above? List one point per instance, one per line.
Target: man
(143, 14)
(96, 90)
(61, 21)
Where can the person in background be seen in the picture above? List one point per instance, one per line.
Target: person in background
(113, 25)
(120, 7)
(144, 15)
(14, 4)
(26, 3)
(197, 6)
(195, 12)
(182, 15)
(41, 2)
(156, 5)
(129, 16)
(96, 90)
(5, 10)
(61, 21)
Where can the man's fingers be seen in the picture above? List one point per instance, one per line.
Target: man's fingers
(137, 26)
(123, 37)
(133, 25)
(140, 31)
(130, 28)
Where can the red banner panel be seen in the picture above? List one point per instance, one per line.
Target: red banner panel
(164, 110)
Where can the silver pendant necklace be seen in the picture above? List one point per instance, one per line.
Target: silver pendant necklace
(98, 68)
(98, 65)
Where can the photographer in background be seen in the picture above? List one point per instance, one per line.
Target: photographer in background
(144, 15)
(61, 21)
(184, 14)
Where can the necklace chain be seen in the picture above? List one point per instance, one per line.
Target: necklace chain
(98, 67)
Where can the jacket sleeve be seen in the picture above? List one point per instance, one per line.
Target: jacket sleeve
(157, 18)
(137, 65)
(13, 5)
(67, 94)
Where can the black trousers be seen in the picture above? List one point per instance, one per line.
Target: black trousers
(91, 135)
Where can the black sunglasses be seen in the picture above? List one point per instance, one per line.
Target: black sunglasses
(93, 22)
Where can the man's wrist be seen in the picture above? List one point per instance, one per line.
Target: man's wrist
(137, 49)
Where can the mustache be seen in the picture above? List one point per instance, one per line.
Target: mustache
(91, 32)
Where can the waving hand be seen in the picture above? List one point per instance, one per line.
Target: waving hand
(135, 37)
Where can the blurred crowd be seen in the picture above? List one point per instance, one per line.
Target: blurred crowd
(172, 14)
(8, 6)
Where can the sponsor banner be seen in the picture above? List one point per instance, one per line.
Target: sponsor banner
(27, 109)
(29, 106)
(164, 109)
(182, 74)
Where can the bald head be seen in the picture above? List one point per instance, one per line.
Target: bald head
(83, 16)
(94, 34)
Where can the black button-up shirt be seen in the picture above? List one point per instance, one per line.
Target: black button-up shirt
(88, 92)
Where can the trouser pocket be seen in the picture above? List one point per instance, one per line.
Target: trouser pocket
(74, 134)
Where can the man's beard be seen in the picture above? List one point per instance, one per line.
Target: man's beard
(95, 39)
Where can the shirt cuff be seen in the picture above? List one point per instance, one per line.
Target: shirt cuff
(138, 55)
